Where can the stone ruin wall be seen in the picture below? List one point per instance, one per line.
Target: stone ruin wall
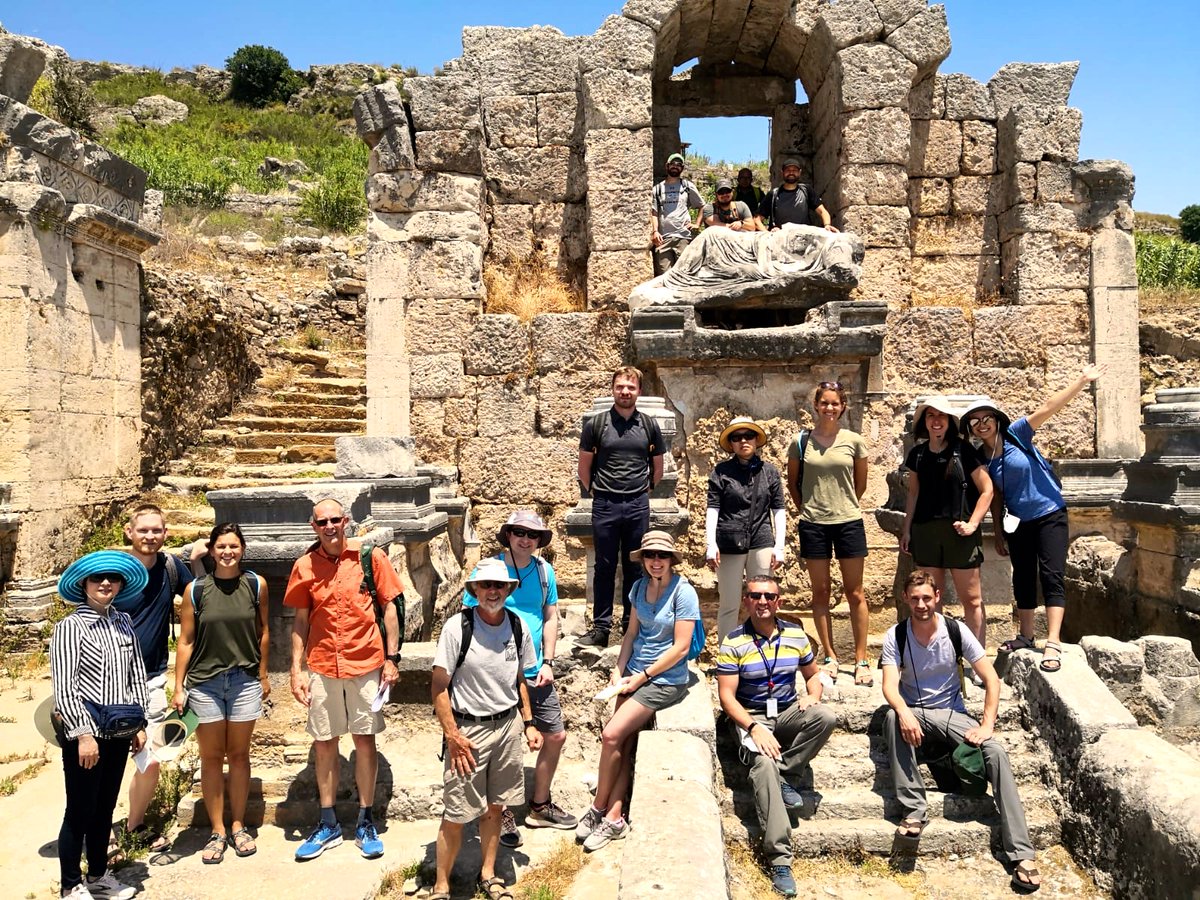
(1006, 263)
(70, 348)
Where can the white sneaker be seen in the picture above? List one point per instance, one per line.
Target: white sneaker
(606, 832)
(106, 887)
(79, 892)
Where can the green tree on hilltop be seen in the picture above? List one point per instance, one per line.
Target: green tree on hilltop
(1189, 224)
(260, 76)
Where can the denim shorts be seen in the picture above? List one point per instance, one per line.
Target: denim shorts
(234, 696)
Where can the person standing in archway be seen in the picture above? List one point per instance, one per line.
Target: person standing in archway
(749, 193)
(672, 224)
(793, 201)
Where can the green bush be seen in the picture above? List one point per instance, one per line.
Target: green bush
(1166, 262)
(337, 202)
(261, 76)
(68, 99)
(1189, 224)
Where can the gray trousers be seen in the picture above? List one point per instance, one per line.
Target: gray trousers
(666, 253)
(951, 727)
(801, 734)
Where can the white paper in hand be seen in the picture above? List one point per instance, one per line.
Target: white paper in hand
(143, 758)
(381, 697)
(609, 692)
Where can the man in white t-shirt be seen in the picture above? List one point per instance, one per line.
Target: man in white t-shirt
(921, 684)
(478, 690)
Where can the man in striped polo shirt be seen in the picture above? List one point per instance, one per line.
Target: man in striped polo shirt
(778, 730)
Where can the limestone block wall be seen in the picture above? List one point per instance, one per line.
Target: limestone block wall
(70, 358)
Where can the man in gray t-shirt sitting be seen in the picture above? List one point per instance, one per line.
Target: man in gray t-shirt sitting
(921, 684)
(476, 697)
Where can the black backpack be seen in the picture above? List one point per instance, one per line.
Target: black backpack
(952, 628)
(368, 585)
(965, 503)
(802, 443)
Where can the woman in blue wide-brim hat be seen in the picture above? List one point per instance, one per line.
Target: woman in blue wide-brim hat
(95, 665)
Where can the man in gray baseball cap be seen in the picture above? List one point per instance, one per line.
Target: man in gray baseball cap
(793, 201)
(671, 222)
(727, 212)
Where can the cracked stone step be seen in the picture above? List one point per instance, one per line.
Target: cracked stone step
(327, 385)
(302, 409)
(258, 440)
(280, 424)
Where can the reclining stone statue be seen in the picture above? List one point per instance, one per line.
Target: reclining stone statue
(796, 266)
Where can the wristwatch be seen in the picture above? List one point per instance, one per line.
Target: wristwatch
(529, 723)
(393, 658)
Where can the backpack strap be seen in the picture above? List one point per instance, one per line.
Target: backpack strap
(252, 578)
(197, 593)
(468, 634)
(802, 445)
(598, 422)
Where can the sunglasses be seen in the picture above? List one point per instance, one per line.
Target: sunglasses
(523, 532)
(332, 520)
(492, 585)
(830, 385)
(657, 554)
(762, 595)
(743, 436)
(982, 420)
(102, 577)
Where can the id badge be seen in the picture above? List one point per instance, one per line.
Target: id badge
(772, 708)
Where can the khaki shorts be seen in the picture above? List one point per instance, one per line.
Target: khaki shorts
(343, 705)
(499, 776)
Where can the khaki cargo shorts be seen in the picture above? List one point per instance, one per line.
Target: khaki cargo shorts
(499, 776)
(343, 705)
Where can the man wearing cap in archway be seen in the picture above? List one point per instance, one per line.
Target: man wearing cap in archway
(481, 700)
(535, 600)
(671, 222)
(793, 201)
(727, 212)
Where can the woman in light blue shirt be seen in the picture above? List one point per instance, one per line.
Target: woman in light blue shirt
(651, 672)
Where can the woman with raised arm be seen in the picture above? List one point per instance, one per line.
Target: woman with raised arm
(948, 495)
(826, 477)
(651, 674)
(221, 673)
(1029, 507)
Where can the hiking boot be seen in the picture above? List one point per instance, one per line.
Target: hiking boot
(782, 880)
(791, 797)
(606, 832)
(510, 835)
(108, 888)
(550, 815)
(322, 838)
(587, 824)
(366, 838)
(597, 637)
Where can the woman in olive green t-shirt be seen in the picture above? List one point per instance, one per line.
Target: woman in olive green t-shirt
(831, 521)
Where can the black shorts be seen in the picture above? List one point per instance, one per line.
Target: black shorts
(847, 539)
(935, 544)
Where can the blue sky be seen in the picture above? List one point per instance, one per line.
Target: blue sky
(1138, 83)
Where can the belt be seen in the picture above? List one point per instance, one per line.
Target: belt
(498, 717)
(618, 498)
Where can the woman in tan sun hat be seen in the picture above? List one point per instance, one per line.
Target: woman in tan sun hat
(949, 494)
(652, 674)
(744, 525)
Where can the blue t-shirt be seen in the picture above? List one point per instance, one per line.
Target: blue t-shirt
(929, 675)
(1029, 489)
(152, 617)
(527, 601)
(656, 627)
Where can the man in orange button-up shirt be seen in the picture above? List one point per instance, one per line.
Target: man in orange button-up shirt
(335, 629)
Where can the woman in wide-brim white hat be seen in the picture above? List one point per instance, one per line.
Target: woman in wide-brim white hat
(948, 496)
(95, 663)
(652, 674)
(746, 518)
(1028, 489)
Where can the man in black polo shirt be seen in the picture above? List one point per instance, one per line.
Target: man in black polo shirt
(620, 461)
(793, 201)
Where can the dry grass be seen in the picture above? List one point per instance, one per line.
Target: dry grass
(1152, 299)
(552, 878)
(528, 287)
(278, 376)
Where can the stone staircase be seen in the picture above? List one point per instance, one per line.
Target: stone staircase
(282, 432)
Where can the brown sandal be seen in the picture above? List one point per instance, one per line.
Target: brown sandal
(910, 829)
(495, 888)
(1023, 875)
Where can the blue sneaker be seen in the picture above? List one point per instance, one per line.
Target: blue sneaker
(782, 881)
(366, 838)
(323, 837)
(791, 796)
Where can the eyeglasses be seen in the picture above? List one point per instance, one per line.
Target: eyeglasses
(762, 595)
(523, 532)
(982, 420)
(492, 585)
(830, 385)
(743, 436)
(102, 577)
(332, 520)
(657, 554)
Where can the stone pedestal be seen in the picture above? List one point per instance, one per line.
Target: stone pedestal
(665, 512)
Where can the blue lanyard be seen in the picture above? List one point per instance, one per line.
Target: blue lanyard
(770, 669)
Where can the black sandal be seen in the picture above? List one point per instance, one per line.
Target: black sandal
(216, 845)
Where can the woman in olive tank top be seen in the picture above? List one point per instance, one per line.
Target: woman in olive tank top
(221, 673)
